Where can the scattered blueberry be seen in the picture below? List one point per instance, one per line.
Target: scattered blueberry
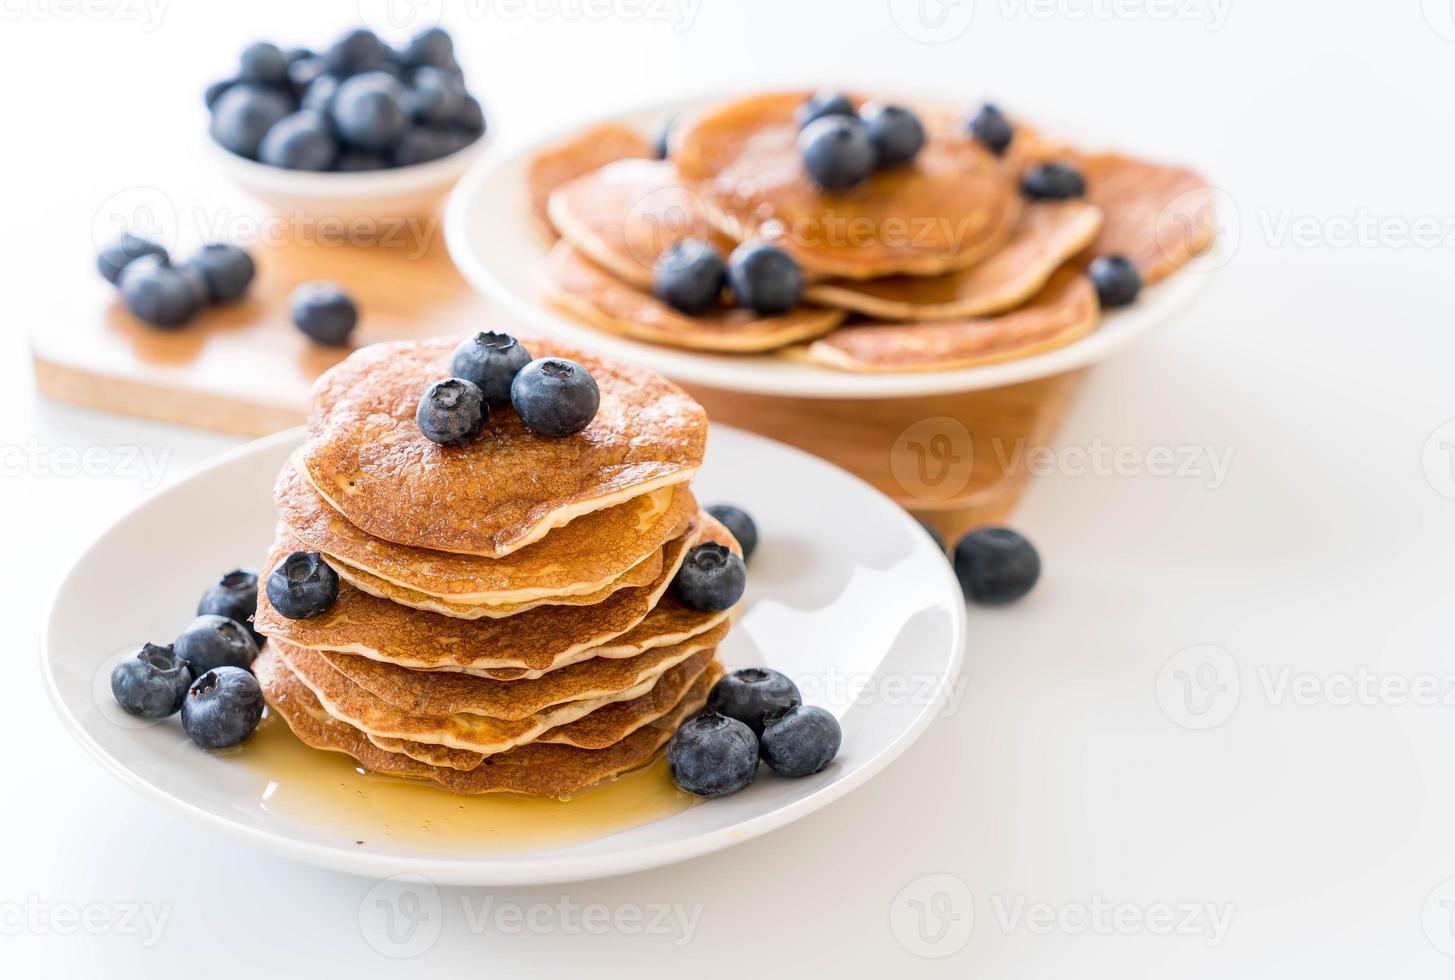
(222, 708)
(824, 104)
(302, 586)
(1052, 182)
(737, 520)
(152, 684)
(235, 596)
(897, 133)
(713, 755)
(490, 360)
(264, 64)
(800, 741)
(764, 278)
(114, 258)
(162, 295)
(213, 92)
(711, 578)
(226, 269)
(991, 127)
(243, 116)
(431, 47)
(324, 312)
(837, 152)
(689, 276)
(1117, 281)
(753, 694)
(368, 110)
(211, 641)
(554, 396)
(452, 412)
(664, 136)
(301, 141)
(356, 51)
(996, 565)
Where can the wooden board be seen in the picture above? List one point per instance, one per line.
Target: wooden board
(954, 460)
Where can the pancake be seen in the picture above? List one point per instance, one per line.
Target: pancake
(590, 293)
(538, 769)
(603, 727)
(366, 455)
(536, 642)
(578, 154)
(1063, 311)
(1159, 217)
(1046, 235)
(580, 558)
(953, 206)
(626, 214)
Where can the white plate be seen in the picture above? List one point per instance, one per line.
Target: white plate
(846, 593)
(495, 245)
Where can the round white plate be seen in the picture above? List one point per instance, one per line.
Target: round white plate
(495, 244)
(846, 593)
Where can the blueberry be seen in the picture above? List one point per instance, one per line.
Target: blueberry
(152, 684)
(435, 96)
(491, 361)
(689, 276)
(837, 152)
(211, 641)
(295, 55)
(711, 578)
(355, 161)
(470, 117)
(226, 269)
(737, 520)
(664, 136)
(303, 72)
(243, 116)
(1117, 281)
(324, 312)
(114, 258)
(554, 396)
(991, 127)
(800, 741)
(1052, 182)
(996, 565)
(431, 47)
(302, 586)
(263, 63)
(319, 95)
(713, 755)
(896, 133)
(162, 295)
(420, 144)
(235, 596)
(452, 412)
(302, 141)
(753, 694)
(222, 708)
(368, 110)
(824, 104)
(213, 92)
(356, 51)
(764, 278)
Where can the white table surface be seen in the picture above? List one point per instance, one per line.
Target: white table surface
(1079, 823)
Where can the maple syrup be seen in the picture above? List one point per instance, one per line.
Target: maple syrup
(307, 788)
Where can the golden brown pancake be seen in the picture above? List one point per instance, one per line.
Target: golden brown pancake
(1158, 216)
(590, 293)
(578, 559)
(954, 205)
(533, 642)
(538, 769)
(603, 727)
(625, 215)
(578, 154)
(508, 489)
(1063, 311)
(1046, 235)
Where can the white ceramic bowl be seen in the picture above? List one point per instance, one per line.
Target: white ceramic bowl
(373, 195)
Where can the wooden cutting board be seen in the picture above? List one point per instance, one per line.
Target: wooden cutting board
(244, 369)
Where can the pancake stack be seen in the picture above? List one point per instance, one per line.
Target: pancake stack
(505, 619)
(937, 264)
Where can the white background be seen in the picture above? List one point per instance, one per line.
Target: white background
(1321, 357)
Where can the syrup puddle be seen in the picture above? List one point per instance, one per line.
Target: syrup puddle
(324, 792)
